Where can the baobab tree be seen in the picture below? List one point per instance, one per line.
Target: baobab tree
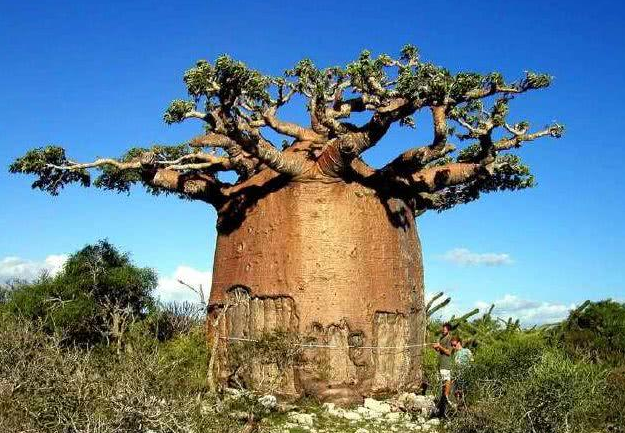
(311, 238)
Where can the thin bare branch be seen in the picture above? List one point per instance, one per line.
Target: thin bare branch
(520, 136)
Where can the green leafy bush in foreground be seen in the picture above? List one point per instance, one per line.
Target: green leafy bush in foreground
(523, 385)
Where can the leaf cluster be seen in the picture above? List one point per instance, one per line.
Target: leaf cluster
(43, 162)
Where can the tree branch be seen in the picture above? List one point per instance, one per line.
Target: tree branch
(242, 162)
(520, 135)
(197, 186)
(252, 141)
(418, 157)
(436, 178)
(291, 129)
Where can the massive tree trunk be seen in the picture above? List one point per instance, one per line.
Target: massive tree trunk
(331, 262)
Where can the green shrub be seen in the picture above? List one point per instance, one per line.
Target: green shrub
(547, 392)
(503, 361)
(95, 297)
(559, 395)
(596, 332)
(189, 353)
(429, 367)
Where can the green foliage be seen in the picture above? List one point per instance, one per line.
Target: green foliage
(540, 379)
(44, 162)
(429, 365)
(505, 360)
(535, 80)
(509, 173)
(226, 80)
(120, 180)
(409, 53)
(367, 70)
(597, 332)
(426, 82)
(96, 282)
(177, 111)
(312, 80)
(233, 100)
(545, 392)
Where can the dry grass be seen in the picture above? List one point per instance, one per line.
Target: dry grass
(45, 387)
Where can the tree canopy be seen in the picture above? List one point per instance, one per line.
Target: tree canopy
(98, 289)
(239, 105)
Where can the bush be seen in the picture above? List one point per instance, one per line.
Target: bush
(597, 332)
(546, 391)
(48, 387)
(95, 297)
(558, 395)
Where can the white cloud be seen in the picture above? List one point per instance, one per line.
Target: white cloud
(529, 312)
(17, 267)
(169, 289)
(463, 256)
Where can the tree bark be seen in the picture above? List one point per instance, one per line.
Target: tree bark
(336, 264)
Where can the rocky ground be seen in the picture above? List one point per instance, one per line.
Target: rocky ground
(405, 413)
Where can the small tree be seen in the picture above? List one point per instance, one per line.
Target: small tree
(95, 296)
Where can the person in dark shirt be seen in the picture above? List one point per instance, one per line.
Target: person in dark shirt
(444, 349)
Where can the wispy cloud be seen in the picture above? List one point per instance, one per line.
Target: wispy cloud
(169, 288)
(528, 311)
(465, 257)
(23, 269)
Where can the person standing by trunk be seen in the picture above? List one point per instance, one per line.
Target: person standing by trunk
(462, 358)
(444, 349)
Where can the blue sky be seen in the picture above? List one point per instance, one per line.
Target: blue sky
(95, 77)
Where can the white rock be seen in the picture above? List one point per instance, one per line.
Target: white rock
(366, 413)
(268, 401)
(377, 406)
(411, 402)
(302, 418)
(353, 416)
(362, 430)
(406, 399)
(393, 416)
